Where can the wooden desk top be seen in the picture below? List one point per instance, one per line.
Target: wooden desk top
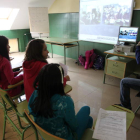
(60, 40)
(119, 54)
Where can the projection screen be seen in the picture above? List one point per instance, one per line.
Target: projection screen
(99, 20)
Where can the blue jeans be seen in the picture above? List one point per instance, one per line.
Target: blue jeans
(84, 121)
(125, 86)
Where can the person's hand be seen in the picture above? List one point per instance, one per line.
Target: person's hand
(67, 77)
(11, 58)
(138, 44)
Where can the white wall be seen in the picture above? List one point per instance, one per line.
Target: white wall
(22, 19)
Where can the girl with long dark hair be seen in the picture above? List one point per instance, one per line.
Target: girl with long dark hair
(35, 58)
(7, 76)
(53, 110)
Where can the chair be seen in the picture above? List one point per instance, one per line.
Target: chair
(138, 95)
(47, 136)
(9, 105)
(67, 88)
(137, 109)
(129, 115)
(13, 86)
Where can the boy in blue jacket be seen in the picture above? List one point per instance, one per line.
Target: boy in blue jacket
(128, 83)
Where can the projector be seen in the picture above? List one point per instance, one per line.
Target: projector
(123, 48)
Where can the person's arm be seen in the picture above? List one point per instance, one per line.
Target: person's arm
(66, 78)
(17, 72)
(69, 114)
(138, 53)
(10, 75)
(31, 100)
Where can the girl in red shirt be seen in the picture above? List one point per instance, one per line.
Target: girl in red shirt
(35, 58)
(7, 76)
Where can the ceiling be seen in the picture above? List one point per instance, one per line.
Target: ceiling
(22, 19)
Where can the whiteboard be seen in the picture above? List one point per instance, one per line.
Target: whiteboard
(38, 19)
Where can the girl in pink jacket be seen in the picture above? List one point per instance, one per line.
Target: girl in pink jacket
(7, 76)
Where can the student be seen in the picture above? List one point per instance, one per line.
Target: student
(128, 83)
(7, 76)
(35, 58)
(53, 110)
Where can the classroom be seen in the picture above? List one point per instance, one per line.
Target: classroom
(67, 31)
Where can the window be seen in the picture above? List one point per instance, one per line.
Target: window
(5, 13)
(7, 17)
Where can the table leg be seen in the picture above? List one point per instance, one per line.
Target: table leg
(105, 69)
(78, 52)
(52, 49)
(64, 55)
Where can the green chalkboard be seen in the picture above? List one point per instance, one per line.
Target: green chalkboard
(136, 21)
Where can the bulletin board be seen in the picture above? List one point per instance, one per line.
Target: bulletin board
(137, 5)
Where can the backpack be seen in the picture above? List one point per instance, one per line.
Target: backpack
(82, 60)
(90, 58)
(99, 63)
(93, 58)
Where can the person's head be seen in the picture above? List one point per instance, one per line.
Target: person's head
(36, 50)
(4, 47)
(48, 83)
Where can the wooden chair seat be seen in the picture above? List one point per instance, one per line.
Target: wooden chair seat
(67, 88)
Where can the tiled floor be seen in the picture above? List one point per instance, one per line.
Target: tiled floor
(88, 89)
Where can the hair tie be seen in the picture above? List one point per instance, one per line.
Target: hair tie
(60, 68)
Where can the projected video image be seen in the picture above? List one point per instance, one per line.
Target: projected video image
(115, 14)
(90, 16)
(128, 34)
(99, 20)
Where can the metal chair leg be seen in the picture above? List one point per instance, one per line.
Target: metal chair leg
(4, 125)
(137, 109)
(105, 69)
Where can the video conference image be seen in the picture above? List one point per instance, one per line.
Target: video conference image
(100, 19)
(106, 14)
(128, 34)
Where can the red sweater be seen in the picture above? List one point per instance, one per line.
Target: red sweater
(31, 70)
(8, 77)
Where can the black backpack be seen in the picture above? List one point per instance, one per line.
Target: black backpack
(99, 63)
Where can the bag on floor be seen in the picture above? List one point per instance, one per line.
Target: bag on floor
(82, 60)
(90, 58)
(99, 63)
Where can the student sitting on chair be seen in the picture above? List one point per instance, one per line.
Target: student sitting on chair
(128, 83)
(7, 76)
(35, 58)
(53, 110)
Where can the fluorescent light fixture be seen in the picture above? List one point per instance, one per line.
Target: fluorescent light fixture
(7, 17)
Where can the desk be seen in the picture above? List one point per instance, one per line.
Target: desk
(129, 115)
(111, 52)
(16, 65)
(65, 42)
